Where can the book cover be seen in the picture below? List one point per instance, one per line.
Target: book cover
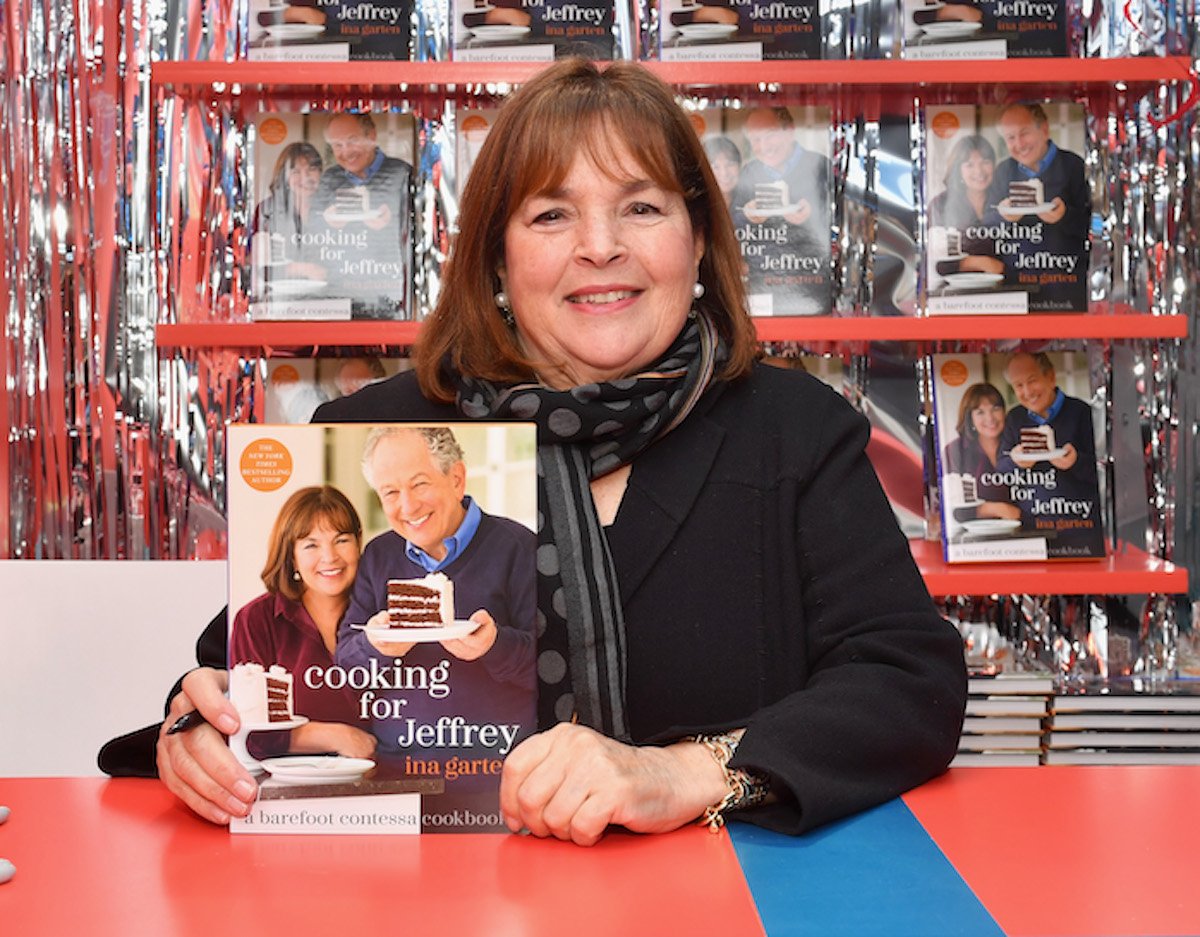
(1117, 720)
(1123, 739)
(329, 30)
(331, 227)
(295, 387)
(1017, 457)
(1075, 756)
(1012, 705)
(1173, 699)
(1021, 684)
(1008, 208)
(772, 165)
(739, 30)
(984, 29)
(378, 696)
(994, 759)
(531, 30)
(988, 725)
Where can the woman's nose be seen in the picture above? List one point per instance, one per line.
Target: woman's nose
(600, 239)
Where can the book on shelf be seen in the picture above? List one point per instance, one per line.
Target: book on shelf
(986, 725)
(329, 30)
(1017, 457)
(1007, 705)
(1017, 683)
(999, 742)
(295, 387)
(1075, 756)
(1008, 208)
(331, 226)
(1146, 721)
(997, 759)
(772, 165)
(984, 29)
(377, 696)
(531, 30)
(745, 31)
(1176, 699)
(1083, 738)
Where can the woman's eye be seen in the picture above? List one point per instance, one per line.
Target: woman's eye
(644, 208)
(548, 216)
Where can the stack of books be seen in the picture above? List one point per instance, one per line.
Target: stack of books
(1125, 728)
(1004, 721)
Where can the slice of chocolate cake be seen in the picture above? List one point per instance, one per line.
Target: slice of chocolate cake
(421, 603)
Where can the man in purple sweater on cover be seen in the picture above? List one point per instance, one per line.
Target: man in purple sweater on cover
(471, 697)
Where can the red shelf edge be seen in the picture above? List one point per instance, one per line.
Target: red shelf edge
(1128, 570)
(1048, 71)
(807, 328)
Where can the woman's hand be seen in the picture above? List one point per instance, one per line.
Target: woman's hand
(197, 765)
(474, 645)
(571, 782)
(337, 737)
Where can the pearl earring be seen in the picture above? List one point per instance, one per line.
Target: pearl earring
(506, 313)
(296, 575)
(501, 299)
(697, 289)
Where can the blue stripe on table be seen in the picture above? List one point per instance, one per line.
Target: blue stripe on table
(874, 873)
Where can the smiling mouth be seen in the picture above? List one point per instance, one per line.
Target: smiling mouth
(417, 521)
(612, 296)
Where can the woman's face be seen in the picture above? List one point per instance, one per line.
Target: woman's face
(303, 176)
(988, 419)
(726, 172)
(326, 559)
(977, 171)
(600, 271)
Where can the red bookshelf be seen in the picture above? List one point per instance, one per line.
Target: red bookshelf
(1137, 73)
(1127, 570)
(797, 329)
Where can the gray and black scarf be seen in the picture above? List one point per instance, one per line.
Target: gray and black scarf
(585, 433)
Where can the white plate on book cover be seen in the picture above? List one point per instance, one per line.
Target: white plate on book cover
(294, 723)
(1036, 209)
(294, 30)
(974, 279)
(1047, 456)
(460, 629)
(991, 525)
(315, 769)
(368, 215)
(926, 7)
(500, 32)
(945, 29)
(774, 212)
(295, 286)
(707, 30)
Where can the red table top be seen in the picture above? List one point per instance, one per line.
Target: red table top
(1048, 851)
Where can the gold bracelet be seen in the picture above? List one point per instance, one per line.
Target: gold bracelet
(746, 789)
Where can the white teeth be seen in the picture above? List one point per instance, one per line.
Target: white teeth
(611, 296)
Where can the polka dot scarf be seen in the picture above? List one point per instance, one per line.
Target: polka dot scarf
(584, 433)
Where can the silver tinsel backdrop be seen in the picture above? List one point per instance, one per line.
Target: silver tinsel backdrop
(126, 206)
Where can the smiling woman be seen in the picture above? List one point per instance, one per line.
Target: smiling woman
(729, 620)
(312, 559)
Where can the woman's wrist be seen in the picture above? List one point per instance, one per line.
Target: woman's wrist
(743, 788)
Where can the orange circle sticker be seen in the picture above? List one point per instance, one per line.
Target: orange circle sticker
(285, 374)
(272, 130)
(474, 123)
(266, 465)
(699, 124)
(945, 124)
(954, 373)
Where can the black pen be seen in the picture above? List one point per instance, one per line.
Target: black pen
(187, 721)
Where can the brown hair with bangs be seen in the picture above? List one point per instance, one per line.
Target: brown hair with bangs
(573, 104)
(299, 517)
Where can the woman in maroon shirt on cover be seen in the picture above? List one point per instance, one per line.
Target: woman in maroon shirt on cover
(312, 558)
